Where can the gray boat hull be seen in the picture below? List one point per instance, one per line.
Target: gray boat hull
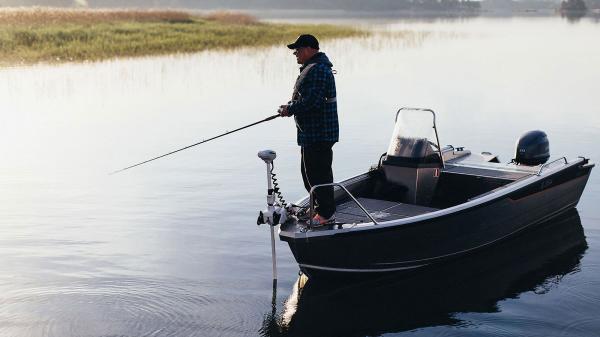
(412, 244)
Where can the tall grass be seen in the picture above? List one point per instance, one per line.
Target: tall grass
(53, 35)
(232, 17)
(43, 16)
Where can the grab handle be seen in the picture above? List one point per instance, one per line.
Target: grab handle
(347, 192)
(550, 163)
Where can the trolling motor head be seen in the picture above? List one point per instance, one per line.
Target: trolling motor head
(267, 155)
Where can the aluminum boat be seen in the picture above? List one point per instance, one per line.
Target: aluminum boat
(538, 258)
(424, 204)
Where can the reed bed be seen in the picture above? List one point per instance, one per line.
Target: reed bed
(45, 16)
(232, 18)
(62, 35)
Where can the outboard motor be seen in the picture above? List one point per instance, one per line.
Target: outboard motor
(532, 148)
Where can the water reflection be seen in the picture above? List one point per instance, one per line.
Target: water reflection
(535, 261)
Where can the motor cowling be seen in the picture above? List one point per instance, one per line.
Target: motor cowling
(532, 148)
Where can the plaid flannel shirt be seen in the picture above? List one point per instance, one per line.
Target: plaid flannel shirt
(316, 119)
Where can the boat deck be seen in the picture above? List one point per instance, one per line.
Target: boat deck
(381, 210)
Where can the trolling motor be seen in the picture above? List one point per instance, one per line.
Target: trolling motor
(276, 212)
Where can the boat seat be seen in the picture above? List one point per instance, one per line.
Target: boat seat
(459, 183)
(381, 210)
(484, 172)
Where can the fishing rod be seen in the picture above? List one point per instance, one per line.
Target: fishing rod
(202, 142)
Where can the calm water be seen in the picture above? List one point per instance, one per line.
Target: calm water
(171, 248)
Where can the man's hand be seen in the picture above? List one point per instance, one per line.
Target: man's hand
(283, 111)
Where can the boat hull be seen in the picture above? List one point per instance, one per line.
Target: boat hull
(408, 247)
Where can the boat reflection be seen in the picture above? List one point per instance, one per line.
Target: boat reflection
(533, 261)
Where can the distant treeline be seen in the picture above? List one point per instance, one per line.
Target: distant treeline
(526, 5)
(573, 6)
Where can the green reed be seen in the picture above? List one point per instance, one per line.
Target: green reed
(96, 37)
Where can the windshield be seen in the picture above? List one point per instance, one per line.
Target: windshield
(414, 135)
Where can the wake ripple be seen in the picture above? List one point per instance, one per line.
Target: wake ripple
(126, 307)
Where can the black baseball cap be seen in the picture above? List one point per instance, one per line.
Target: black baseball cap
(305, 40)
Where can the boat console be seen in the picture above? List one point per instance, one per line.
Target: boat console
(412, 162)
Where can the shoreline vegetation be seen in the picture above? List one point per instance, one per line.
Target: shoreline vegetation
(53, 35)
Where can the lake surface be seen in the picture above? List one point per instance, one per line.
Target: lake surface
(171, 248)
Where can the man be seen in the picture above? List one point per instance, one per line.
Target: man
(314, 108)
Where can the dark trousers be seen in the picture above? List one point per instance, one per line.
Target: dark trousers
(315, 165)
